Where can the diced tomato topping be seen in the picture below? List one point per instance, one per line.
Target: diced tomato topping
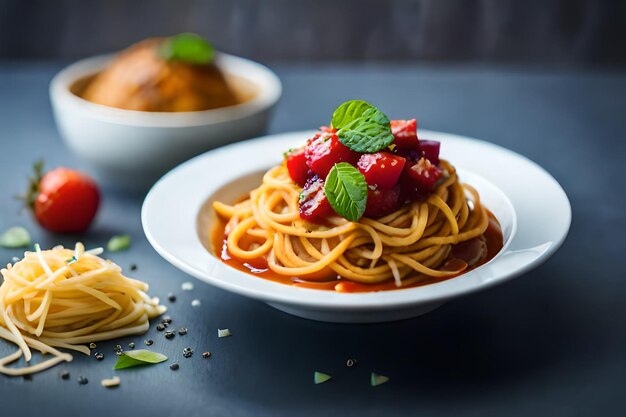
(381, 169)
(314, 205)
(430, 150)
(405, 133)
(324, 150)
(382, 202)
(410, 190)
(424, 174)
(297, 167)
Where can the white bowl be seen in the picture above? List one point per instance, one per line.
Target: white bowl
(517, 190)
(133, 148)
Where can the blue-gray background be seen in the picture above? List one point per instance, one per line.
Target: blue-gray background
(537, 32)
(551, 342)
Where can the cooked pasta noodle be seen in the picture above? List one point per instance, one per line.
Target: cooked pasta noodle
(62, 298)
(406, 246)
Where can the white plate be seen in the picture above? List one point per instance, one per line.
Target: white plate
(531, 206)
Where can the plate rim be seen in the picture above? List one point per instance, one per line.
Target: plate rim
(301, 297)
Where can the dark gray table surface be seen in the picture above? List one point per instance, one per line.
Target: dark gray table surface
(551, 342)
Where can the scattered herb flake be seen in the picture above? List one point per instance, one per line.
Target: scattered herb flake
(320, 377)
(196, 303)
(118, 243)
(15, 237)
(186, 286)
(71, 260)
(131, 345)
(206, 354)
(148, 342)
(169, 334)
(351, 362)
(92, 345)
(377, 380)
(223, 333)
(99, 356)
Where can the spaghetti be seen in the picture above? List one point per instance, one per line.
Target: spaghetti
(412, 244)
(63, 298)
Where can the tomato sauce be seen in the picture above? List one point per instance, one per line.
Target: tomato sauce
(258, 267)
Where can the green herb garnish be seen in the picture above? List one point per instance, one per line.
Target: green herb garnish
(346, 191)
(319, 377)
(118, 243)
(376, 379)
(362, 127)
(15, 237)
(187, 47)
(71, 260)
(139, 357)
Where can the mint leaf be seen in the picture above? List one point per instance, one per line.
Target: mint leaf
(349, 111)
(137, 358)
(118, 243)
(362, 127)
(15, 237)
(346, 191)
(187, 47)
(365, 136)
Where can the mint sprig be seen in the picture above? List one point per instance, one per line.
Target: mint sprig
(362, 127)
(187, 47)
(346, 191)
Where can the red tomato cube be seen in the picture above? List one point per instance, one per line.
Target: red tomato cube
(425, 174)
(324, 150)
(382, 202)
(314, 205)
(297, 167)
(430, 150)
(405, 133)
(381, 169)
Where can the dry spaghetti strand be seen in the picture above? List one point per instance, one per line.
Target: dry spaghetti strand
(61, 298)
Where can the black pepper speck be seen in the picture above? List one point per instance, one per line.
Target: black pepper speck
(65, 375)
(169, 334)
(174, 366)
(171, 297)
(160, 327)
(82, 380)
(99, 356)
(206, 354)
(131, 345)
(187, 352)
(133, 267)
(166, 320)
(92, 345)
(182, 331)
(148, 342)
